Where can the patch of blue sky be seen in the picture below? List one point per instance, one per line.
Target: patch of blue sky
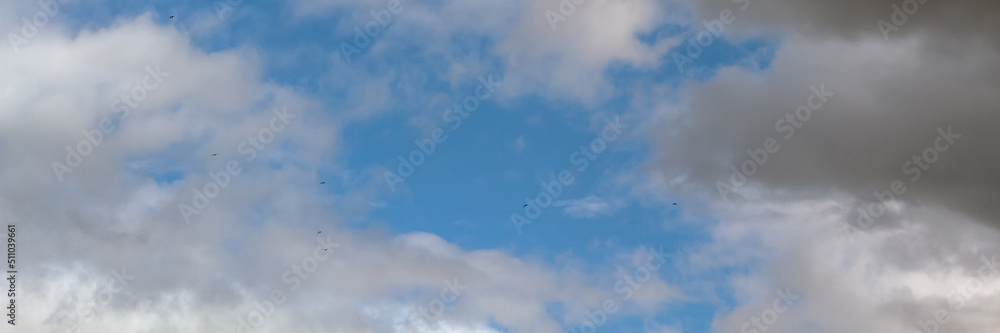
(752, 54)
(690, 60)
(167, 177)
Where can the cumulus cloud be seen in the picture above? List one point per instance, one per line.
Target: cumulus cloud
(886, 108)
(569, 61)
(565, 62)
(884, 281)
(795, 222)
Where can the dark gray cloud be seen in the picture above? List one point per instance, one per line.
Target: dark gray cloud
(940, 70)
(961, 20)
(890, 99)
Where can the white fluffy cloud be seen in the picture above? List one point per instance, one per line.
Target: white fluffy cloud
(880, 281)
(568, 62)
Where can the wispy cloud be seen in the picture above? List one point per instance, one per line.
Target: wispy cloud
(519, 144)
(589, 207)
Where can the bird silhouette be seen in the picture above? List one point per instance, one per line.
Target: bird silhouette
(525, 205)
(321, 183)
(319, 232)
(675, 204)
(326, 249)
(212, 154)
(171, 16)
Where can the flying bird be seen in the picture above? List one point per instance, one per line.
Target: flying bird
(675, 204)
(525, 205)
(319, 232)
(326, 249)
(171, 16)
(321, 183)
(212, 154)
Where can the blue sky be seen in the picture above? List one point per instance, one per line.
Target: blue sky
(387, 249)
